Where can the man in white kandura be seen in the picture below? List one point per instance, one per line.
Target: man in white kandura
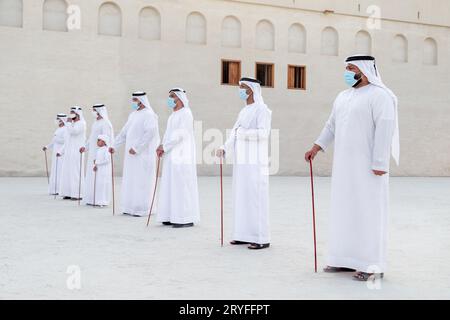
(71, 185)
(101, 126)
(364, 127)
(141, 137)
(178, 196)
(56, 146)
(101, 166)
(248, 141)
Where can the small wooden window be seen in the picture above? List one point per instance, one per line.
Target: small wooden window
(265, 74)
(231, 72)
(297, 77)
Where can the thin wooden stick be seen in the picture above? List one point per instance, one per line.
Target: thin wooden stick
(314, 214)
(56, 177)
(112, 177)
(95, 184)
(221, 202)
(154, 190)
(46, 166)
(79, 180)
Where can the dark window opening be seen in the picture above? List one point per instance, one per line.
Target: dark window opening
(265, 74)
(297, 77)
(231, 72)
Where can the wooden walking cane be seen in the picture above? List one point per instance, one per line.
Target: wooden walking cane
(46, 166)
(112, 178)
(314, 214)
(56, 177)
(154, 190)
(95, 183)
(79, 180)
(221, 203)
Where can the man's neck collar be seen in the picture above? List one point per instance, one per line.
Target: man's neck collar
(362, 85)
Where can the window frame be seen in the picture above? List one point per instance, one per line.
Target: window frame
(272, 75)
(239, 62)
(303, 77)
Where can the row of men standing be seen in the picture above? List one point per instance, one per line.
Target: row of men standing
(178, 203)
(140, 135)
(363, 126)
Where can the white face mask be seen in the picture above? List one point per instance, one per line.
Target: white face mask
(72, 116)
(95, 114)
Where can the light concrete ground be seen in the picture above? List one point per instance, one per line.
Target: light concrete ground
(120, 258)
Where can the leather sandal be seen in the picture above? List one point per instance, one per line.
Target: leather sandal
(364, 276)
(329, 269)
(257, 246)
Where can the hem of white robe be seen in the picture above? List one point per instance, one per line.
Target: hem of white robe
(136, 213)
(87, 201)
(166, 218)
(381, 168)
(251, 239)
(359, 265)
(71, 195)
(100, 203)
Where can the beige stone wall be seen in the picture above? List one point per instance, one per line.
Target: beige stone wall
(434, 12)
(44, 72)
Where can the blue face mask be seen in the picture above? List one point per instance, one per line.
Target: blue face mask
(243, 94)
(349, 77)
(171, 103)
(134, 106)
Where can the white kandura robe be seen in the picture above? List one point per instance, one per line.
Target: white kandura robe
(99, 127)
(178, 195)
(141, 133)
(102, 177)
(248, 142)
(361, 125)
(56, 146)
(70, 178)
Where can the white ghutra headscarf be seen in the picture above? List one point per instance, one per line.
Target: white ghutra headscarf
(78, 111)
(368, 67)
(255, 86)
(61, 117)
(103, 112)
(104, 138)
(181, 94)
(142, 97)
(100, 108)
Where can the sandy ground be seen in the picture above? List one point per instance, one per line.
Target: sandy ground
(45, 242)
